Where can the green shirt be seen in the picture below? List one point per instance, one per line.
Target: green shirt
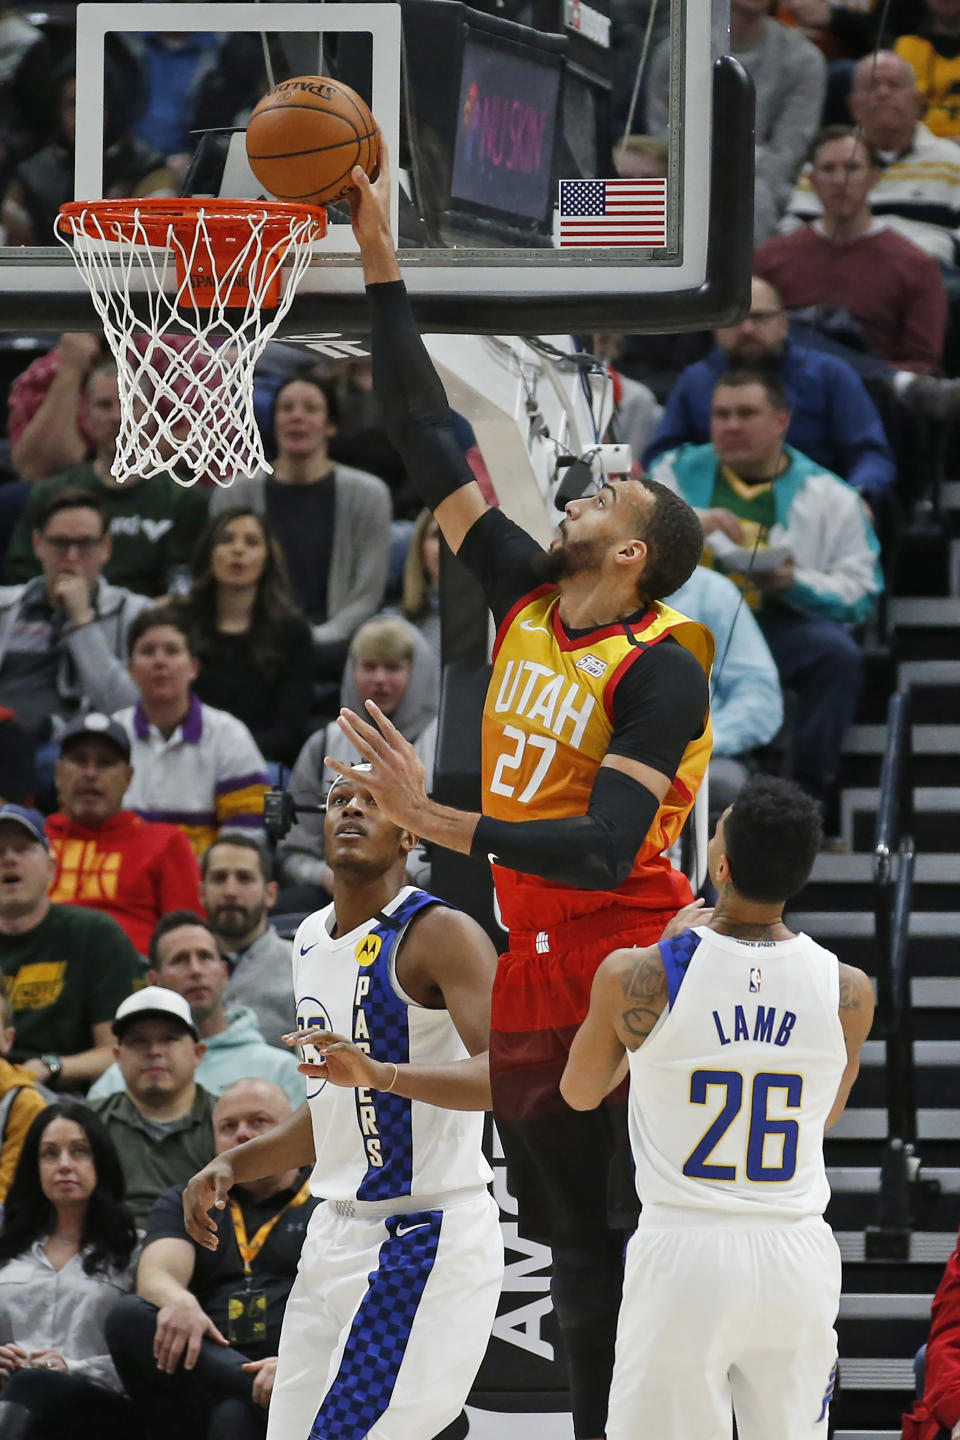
(153, 523)
(756, 507)
(152, 1163)
(759, 508)
(64, 976)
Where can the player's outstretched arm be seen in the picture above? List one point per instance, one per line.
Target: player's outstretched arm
(856, 1016)
(285, 1147)
(412, 399)
(592, 852)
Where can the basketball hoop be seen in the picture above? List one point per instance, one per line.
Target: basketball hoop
(186, 335)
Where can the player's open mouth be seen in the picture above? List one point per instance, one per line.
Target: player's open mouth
(349, 830)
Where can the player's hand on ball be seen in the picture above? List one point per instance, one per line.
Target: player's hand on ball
(396, 776)
(208, 1190)
(696, 913)
(370, 201)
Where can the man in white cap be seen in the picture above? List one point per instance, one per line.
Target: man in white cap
(162, 1121)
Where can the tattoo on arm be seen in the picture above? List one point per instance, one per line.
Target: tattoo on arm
(850, 998)
(645, 994)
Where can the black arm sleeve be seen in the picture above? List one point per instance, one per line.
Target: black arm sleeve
(595, 851)
(503, 558)
(415, 412)
(659, 706)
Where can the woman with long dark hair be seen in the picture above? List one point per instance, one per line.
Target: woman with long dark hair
(332, 522)
(254, 647)
(66, 1255)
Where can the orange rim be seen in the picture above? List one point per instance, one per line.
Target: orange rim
(227, 220)
(149, 223)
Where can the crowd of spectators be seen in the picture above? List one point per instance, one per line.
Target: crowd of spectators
(164, 651)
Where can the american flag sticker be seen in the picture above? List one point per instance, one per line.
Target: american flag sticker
(612, 212)
(754, 979)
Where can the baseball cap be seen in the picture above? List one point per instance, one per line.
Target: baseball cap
(96, 724)
(31, 820)
(157, 1003)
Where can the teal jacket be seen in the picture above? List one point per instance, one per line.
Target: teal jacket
(820, 517)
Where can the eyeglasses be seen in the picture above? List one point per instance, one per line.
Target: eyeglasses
(63, 544)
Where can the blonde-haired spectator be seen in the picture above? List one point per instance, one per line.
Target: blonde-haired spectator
(390, 663)
(420, 597)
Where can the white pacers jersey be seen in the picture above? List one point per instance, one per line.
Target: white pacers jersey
(730, 1093)
(374, 1145)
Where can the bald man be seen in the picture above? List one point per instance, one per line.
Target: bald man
(917, 191)
(832, 418)
(196, 1347)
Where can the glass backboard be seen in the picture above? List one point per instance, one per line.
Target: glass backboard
(510, 215)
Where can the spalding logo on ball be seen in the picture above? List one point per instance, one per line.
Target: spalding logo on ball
(305, 137)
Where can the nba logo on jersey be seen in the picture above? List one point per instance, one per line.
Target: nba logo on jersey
(754, 979)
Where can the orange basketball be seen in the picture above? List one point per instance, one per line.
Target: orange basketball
(305, 137)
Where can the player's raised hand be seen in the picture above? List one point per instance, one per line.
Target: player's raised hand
(208, 1190)
(396, 776)
(370, 217)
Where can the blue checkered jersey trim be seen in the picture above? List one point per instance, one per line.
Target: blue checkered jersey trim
(385, 1018)
(676, 955)
(377, 1342)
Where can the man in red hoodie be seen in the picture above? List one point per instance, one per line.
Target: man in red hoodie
(110, 859)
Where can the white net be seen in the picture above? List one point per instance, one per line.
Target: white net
(185, 366)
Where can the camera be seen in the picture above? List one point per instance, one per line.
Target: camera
(588, 469)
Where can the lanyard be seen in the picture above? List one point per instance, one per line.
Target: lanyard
(249, 1250)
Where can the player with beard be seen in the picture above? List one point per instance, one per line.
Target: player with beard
(596, 735)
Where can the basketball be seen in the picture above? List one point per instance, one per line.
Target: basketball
(305, 137)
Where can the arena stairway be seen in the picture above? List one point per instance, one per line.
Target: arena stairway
(885, 1308)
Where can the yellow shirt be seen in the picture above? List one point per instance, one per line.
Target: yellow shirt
(938, 79)
(547, 724)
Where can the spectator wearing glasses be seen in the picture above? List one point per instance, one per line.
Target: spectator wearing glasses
(152, 522)
(832, 418)
(63, 636)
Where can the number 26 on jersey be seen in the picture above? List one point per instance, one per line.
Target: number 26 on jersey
(782, 1134)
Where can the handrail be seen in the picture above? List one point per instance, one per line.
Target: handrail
(895, 808)
(894, 864)
(892, 840)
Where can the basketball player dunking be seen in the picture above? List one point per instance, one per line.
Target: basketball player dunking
(595, 738)
(743, 1042)
(398, 1283)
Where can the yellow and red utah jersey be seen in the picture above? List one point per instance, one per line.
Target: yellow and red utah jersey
(547, 724)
